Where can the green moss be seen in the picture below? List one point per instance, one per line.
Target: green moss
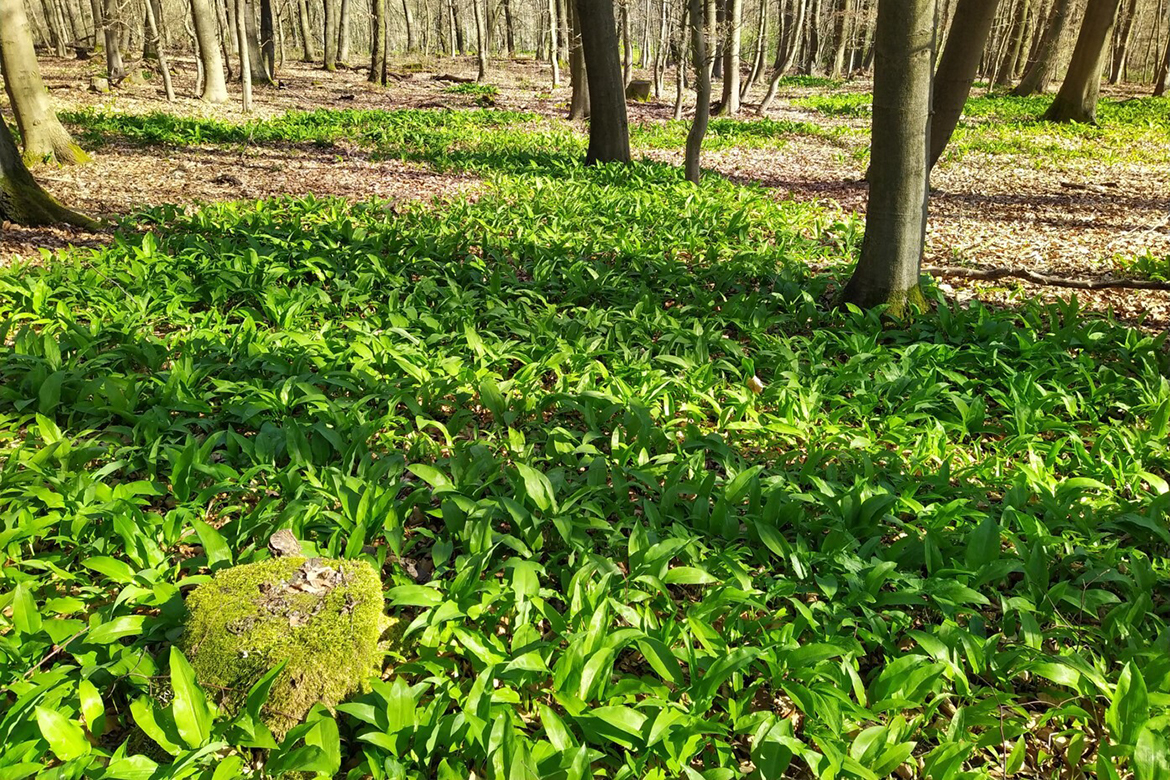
(323, 616)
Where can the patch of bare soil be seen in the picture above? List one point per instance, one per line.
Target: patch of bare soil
(1071, 218)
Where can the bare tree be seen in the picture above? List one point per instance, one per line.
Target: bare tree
(609, 133)
(700, 13)
(1077, 99)
(214, 84)
(956, 69)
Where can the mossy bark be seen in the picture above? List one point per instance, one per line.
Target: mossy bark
(323, 617)
(44, 137)
(21, 199)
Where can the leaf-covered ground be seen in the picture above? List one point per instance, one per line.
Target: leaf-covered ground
(935, 549)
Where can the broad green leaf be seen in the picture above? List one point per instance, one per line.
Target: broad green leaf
(65, 737)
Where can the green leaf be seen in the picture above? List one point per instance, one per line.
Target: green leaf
(537, 487)
(65, 737)
(688, 575)
(983, 544)
(25, 615)
(658, 655)
(214, 547)
(1130, 708)
(1151, 756)
(118, 628)
(191, 711)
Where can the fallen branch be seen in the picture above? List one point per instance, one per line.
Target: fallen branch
(1053, 281)
(450, 77)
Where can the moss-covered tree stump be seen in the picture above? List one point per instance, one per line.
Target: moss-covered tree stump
(324, 617)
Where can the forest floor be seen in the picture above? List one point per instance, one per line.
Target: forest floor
(1080, 202)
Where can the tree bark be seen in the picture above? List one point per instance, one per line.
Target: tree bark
(267, 42)
(1039, 72)
(480, 40)
(609, 133)
(343, 33)
(160, 51)
(681, 70)
(787, 46)
(554, 59)
(408, 17)
(509, 29)
(627, 45)
(331, 19)
(115, 68)
(308, 50)
(956, 69)
(1077, 99)
(21, 199)
(895, 220)
(378, 41)
(1121, 40)
(732, 42)
(758, 53)
(245, 54)
(214, 85)
(841, 37)
(1162, 80)
(45, 138)
(578, 78)
(698, 129)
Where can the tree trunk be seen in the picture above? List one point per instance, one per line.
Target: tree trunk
(554, 59)
(245, 54)
(681, 70)
(115, 68)
(895, 220)
(733, 37)
(160, 50)
(956, 69)
(698, 129)
(408, 17)
(252, 39)
(787, 46)
(378, 42)
(1077, 99)
(480, 40)
(308, 51)
(661, 49)
(715, 23)
(21, 199)
(214, 85)
(331, 17)
(1039, 72)
(758, 54)
(1162, 80)
(267, 42)
(578, 80)
(609, 133)
(343, 33)
(1121, 40)
(841, 37)
(509, 30)
(45, 138)
(627, 45)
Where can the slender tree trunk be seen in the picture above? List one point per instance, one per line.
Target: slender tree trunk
(1121, 40)
(480, 40)
(841, 37)
(343, 33)
(661, 51)
(681, 70)
(245, 54)
(554, 59)
(1039, 72)
(609, 133)
(308, 51)
(579, 102)
(509, 30)
(152, 23)
(1077, 99)
(378, 41)
(21, 199)
(895, 220)
(698, 129)
(732, 41)
(956, 69)
(627, 44)
(787, 46)
(267, 42)
(758, 54)
(45, 138)
(331, 19)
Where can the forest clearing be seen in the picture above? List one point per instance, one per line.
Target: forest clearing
(386, 422)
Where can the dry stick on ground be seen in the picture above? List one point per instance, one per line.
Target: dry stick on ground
(1052, 281)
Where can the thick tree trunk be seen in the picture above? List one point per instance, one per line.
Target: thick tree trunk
(1077, 99)
(956, 69)
(1039, 72)
(45, 139)
(267, 42)
(1162, 80)
(480, 40)
(115, 68)
(732, 41)
(698, 129)
(841, 37)
(160, 50)
(895, 220)
(308, 51)
(331, 18)
(214, 85)
(609, 133)
(252, 39)
(245, 54)
(378, 41)
(21, 199)
(578, 78)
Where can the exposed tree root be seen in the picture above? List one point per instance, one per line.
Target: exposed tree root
(1045, 279)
